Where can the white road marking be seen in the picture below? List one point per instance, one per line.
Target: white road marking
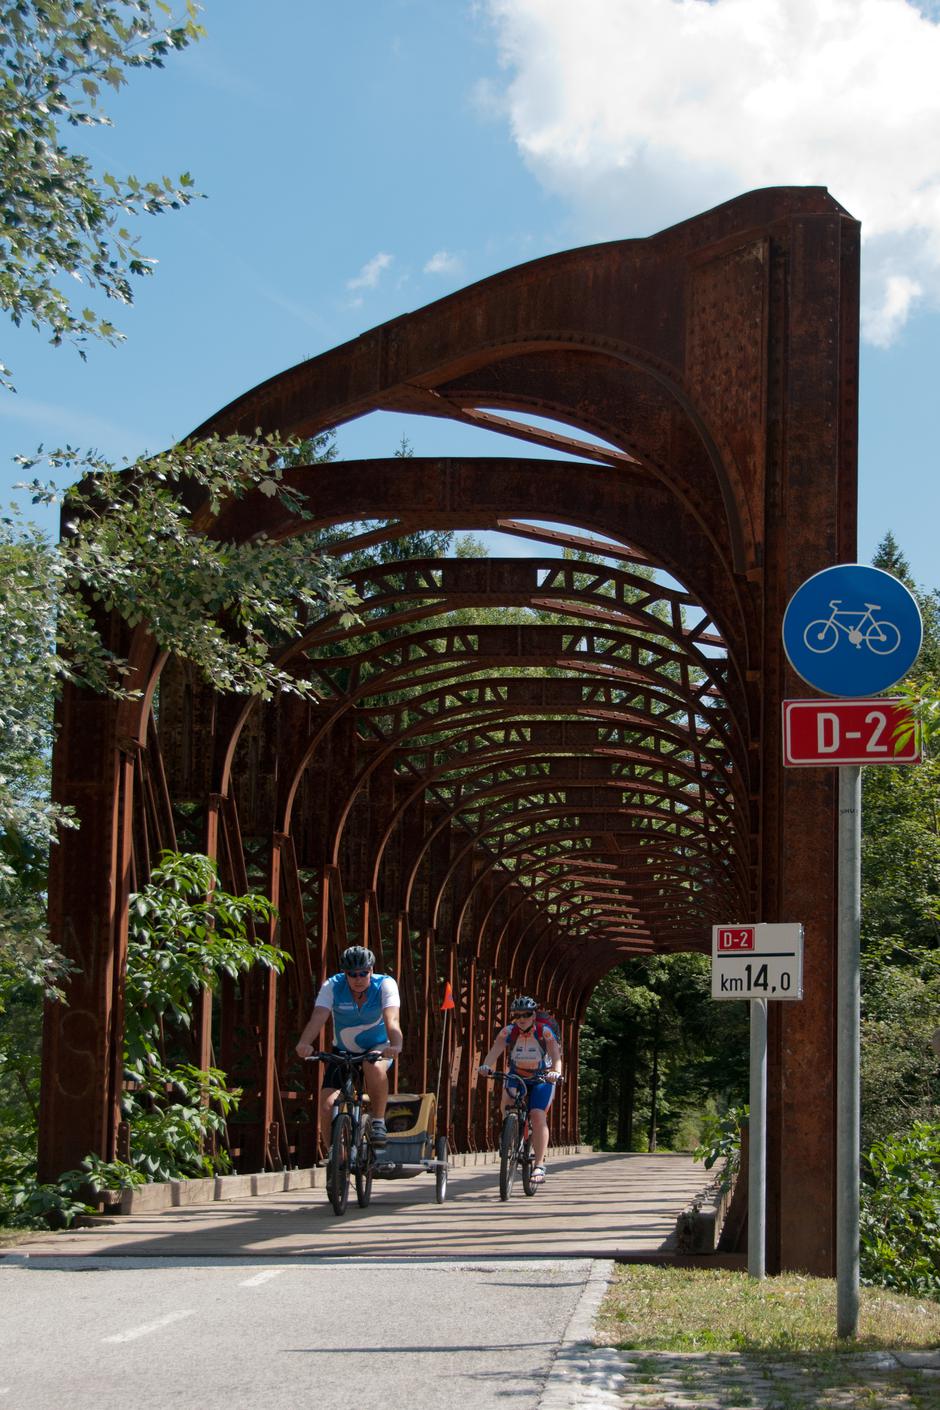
(148, 1327)
(261, 1277)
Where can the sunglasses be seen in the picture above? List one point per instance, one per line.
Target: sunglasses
(357, 973)
(523, 1017)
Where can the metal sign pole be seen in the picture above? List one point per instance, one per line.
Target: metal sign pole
(848, 1041)
(757, 1144)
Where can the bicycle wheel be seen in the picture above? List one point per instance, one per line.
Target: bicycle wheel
(338, 1172)
(821, 636)
(508, 1154)
(365, 1167)
(528, 1165)
(440, 1174)
(882, 638)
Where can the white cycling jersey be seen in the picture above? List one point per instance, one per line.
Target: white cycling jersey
(526, 1051)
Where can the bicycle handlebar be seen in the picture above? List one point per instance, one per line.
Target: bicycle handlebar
(350, 1059)
(540, 1075)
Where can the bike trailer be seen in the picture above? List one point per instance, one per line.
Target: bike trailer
(410, 1120)
(411, 1146)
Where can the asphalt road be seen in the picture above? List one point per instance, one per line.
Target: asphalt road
(240, 1334)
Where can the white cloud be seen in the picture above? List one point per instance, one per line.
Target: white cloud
(642, 112)
(443, 262)
(370, 273)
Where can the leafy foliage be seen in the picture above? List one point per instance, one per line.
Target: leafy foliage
(721, 1141)
(170, 1139)
(901, 909)
(61, 217)
(130, 545)
(900, 1212)
(656, 1050)
(184, 933)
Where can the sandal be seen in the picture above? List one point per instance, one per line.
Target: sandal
(538, 1175)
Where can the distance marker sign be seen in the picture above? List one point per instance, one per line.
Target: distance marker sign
(757, 961)
(852, 630)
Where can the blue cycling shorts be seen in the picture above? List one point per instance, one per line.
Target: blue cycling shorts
(540, 1092)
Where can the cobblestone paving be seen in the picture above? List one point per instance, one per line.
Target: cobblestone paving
(584, 1377)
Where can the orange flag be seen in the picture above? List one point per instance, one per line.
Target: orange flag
(448, 1002)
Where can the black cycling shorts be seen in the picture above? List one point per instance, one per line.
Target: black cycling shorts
(333, 1073)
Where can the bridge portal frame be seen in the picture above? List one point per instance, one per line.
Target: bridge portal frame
(717, 362)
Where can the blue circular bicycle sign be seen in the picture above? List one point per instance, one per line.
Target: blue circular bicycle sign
(852, 630)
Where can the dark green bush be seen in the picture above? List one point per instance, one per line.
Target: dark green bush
(900, 1212)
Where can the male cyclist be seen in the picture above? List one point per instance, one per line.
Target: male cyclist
(529, 1045)
(365, 1009)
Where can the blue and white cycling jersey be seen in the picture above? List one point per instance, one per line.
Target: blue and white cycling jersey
(358, 1028)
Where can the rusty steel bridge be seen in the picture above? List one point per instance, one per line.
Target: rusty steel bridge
(512, 805)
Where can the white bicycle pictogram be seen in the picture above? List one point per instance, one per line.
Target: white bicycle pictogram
(861, 628)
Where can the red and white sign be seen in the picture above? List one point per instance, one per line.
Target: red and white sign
(734, 937)
(820, 732)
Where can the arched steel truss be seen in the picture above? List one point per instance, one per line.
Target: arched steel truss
(512, 773)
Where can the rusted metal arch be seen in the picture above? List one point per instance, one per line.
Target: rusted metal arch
(268, 517)
(531, 788)
(664, 763)
(559, 889)
(506, 761)
(653, 722)
(556, 654)
(400, 362)
(743, 323)
(494, 828)
(468, 494)
(582, 699)
(370, 687)
(609, 738)
(563, 884)
(447, 585)
(489, 821)
(591, 856)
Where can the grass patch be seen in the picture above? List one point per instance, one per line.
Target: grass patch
(689, 1309)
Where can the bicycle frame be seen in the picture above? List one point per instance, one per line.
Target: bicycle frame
(350, 1145)
(515, 1145)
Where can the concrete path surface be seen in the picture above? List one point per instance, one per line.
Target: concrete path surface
(596, 1206)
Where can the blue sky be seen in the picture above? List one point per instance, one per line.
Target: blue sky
(361, 160)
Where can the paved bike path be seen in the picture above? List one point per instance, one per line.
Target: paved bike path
(217, 1335)
(593, 1205)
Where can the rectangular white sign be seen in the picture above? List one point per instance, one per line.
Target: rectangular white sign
(757, 961)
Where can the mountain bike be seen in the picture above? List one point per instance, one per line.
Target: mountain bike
(351, 1149)
(515, 1139)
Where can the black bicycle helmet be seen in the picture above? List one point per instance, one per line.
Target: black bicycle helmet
(357, 957)
(523, 1004)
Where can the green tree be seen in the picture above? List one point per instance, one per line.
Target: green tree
(658, 1053)
(900, 934)
(130, 546)
(61, 218)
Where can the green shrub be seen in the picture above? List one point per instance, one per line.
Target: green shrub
(900, 1212)
(171, 1140)
(25, 1203)
(721, 1141)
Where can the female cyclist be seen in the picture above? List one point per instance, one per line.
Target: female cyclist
(529, 1045)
